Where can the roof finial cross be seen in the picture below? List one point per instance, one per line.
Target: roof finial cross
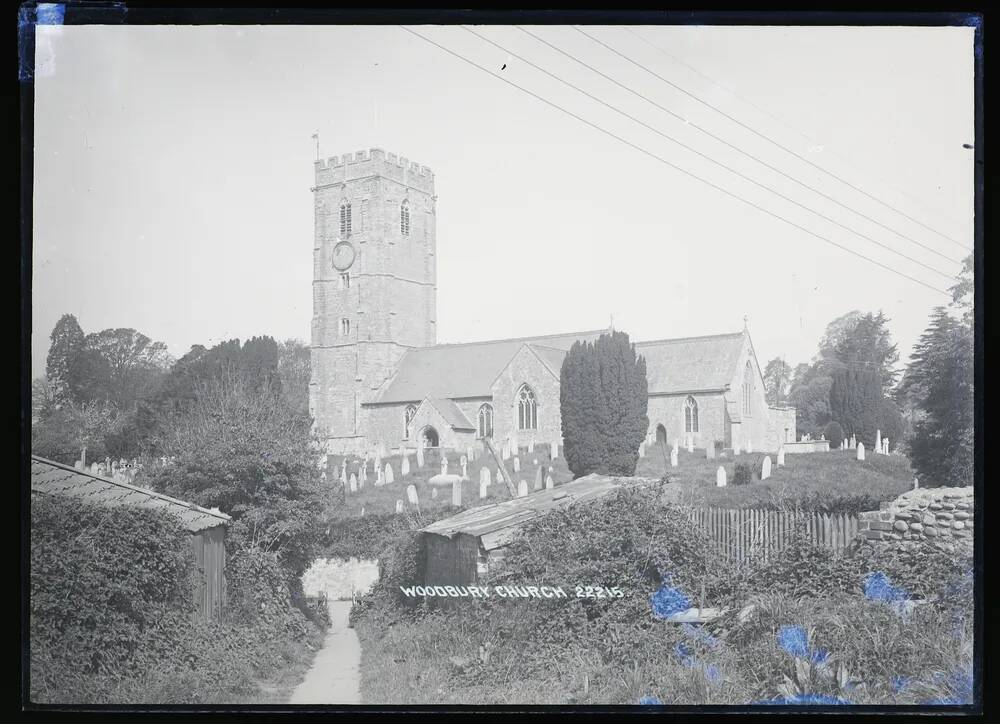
(746, 325)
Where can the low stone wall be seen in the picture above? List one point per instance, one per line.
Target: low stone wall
(811, 446)
(337, 577)
(940, 517)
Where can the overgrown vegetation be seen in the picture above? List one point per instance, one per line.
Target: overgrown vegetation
(812, 627)
(112, 613)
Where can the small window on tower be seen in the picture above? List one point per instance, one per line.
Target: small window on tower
(345, 219)
(404, 218)
(345, 327)
(345, 280)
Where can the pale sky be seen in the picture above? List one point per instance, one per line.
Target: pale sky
(173, 166)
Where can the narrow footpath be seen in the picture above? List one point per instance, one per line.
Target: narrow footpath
(335, 676)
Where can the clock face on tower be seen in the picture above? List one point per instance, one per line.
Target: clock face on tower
(343, 255)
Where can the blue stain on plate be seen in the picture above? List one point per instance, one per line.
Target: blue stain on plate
(804, 700)
(667, 601)
(684, 654)
(713, 673)
(650, 701)
(819, 656)
(700, 634)
(50, 13)
(899, 683)
(793, 639)
(878, 588)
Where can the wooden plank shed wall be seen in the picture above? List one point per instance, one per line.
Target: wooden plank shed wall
(210, 553)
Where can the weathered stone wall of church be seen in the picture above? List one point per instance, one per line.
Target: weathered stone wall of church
(526, 368)
(758, 426)
(781, 426)
(668, 410)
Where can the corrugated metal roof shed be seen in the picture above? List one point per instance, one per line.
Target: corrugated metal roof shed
(495, 524)
(55, 478)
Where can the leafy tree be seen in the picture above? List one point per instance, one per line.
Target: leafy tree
(855, 397)
(42, 399)
(67, 343)
(809, 394)
(940, 382)
(133, 363)
(75, 431)
(777, 379)
(868, 346)
(238, 448)
(294, 373)
(603, 397)
(963, 292)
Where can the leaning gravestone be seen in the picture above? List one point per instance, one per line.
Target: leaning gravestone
(765, 469)
(411, 494)
(522, 488)
(861, 451)
(484, 476)
(539, 480)
(781, 456)
(390, 478)
(456, 493)
(720, 477)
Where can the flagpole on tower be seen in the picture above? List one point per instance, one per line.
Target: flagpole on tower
(315, 137)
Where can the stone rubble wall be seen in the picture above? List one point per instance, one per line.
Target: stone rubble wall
(939, 517)
(337, 577)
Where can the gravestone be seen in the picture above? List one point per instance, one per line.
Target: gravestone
(642, 449)
(444, 463)
(434, 492)
(470, 454)
(915, 484)
(420, 456)
(781, 456)
(539, 480)
(465, 466)
(720, 477)
(456, 493)
(549, 482)
(363, 478)
(379, 477)
(710, 451)
(411, 494)
(378, 463)
(673, 458)
(765, 470)
(554, 451)
(484, 476)
(404, 467)
(483, 489)
(399, 506)
(354, 485)
(517, 465)
(343, 470)
(389, 476)
(861, 451)
(885, 446)
(878, 441)
(522, 488)
(531, 445)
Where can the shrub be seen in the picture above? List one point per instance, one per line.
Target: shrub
(743, 474)
(834, 433)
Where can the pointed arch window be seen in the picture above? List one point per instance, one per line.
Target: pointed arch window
(404, 218)
(345, 219)
(747, 387)
(408, 415)
(486, 420)
(690, 415)
(527, 409)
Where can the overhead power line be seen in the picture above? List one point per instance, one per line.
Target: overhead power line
(673, 165)
(741, 151)
(779, 121)
(706, 156)
(770, 140)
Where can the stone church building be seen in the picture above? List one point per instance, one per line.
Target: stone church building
(380, 378)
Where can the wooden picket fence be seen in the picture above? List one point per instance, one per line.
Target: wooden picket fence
(745, 535)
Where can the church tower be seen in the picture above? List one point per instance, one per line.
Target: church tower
(374, 283)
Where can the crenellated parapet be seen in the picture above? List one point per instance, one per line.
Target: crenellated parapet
(373, 162)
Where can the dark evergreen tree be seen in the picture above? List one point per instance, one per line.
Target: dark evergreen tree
(603, 399)
(62, 363)
(855, 397)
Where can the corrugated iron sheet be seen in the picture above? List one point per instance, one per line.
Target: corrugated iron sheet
(56, 479)
(495, 524)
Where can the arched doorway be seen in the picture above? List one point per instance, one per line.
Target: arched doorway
(661, 435)
(430, 437)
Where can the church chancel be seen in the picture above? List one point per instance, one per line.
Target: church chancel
(380, 379)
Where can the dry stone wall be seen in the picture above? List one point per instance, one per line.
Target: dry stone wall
(939, 517)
